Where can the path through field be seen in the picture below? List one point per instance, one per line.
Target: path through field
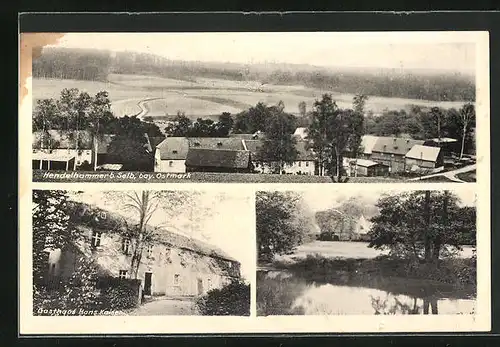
(451, 175)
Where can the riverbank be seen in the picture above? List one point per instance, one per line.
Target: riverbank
(459, 272)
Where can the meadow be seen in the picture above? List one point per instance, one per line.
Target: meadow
(202, 97)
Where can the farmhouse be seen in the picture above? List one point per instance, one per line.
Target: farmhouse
(66, 150)
(364, 168)
(218, 160)
(171, 264)
(447, 145)
(61, 150)
(424, 157)
(172, 152)
(305, 163)
(237, 153)
(391, 151)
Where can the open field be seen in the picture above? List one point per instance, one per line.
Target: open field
(203, 96)
(344, 249)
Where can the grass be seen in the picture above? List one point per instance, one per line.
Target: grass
(436, 179)
(155, 177)
(458, 272)
(467, 176)
(208, 96)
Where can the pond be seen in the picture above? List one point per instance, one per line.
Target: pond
(284, 293)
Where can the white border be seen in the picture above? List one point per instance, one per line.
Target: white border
(481, 321)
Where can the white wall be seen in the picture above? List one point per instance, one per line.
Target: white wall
(291, 169)
(85, 154)
(175, 166)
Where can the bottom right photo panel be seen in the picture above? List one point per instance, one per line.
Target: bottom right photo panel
(366, 252)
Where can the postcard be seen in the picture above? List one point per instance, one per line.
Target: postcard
(254, 182)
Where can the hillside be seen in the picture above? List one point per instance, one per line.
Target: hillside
(96, 65)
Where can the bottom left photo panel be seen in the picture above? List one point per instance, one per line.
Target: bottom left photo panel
(141, 253)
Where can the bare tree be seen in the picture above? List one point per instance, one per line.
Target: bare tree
(467, 115)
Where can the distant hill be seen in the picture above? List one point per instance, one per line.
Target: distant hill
(95, 65)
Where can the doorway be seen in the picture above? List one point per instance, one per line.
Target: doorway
(147, 283)
(200, 286)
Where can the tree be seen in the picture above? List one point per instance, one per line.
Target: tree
(359, 102)
(99, 115)
(277, 233)
(418, 225)
(467, 117)
(142, 206)
(334, 131)
(302, 108)
(317, 132)
(253, 120)
(279, 145)
(129, 144)
(52, 227)
(179, 127)
(225, 124)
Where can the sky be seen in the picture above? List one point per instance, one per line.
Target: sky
(429, 50)
(318, 200)
(221, 219)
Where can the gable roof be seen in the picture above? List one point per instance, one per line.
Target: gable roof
(163, 235)
(175, 148)
(304, 154)
(368, 142)
(426, 153)
(203, 157)
(395, 145)
(365, 162)
(229, 143)
(301, 132)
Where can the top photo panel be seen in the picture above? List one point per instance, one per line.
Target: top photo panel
(323, 107)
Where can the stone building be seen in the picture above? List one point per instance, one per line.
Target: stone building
(171, 264)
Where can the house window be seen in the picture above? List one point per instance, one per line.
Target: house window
(125, 246)
(170, 163)
(197, 144)
(123, 274)
(177, 278)
(300, 163)
(167, 252)
(149, 251)
(174, 151)
(219, 144)
(209, 283)
(96, 238)
(307, 163)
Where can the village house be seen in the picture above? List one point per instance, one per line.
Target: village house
(172, 264)
(304, 164)
(448, 145)
(67, 150)
(391, 151)
(237, 153)
(424, 157)
(171, 154)
(364, 168)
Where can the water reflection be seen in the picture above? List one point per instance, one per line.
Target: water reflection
(281, 293)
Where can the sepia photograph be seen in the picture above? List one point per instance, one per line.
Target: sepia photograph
(138, 253)
(255, 108)
(366, 253)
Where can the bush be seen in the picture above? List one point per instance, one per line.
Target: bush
(231, 300)
(119, 293)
